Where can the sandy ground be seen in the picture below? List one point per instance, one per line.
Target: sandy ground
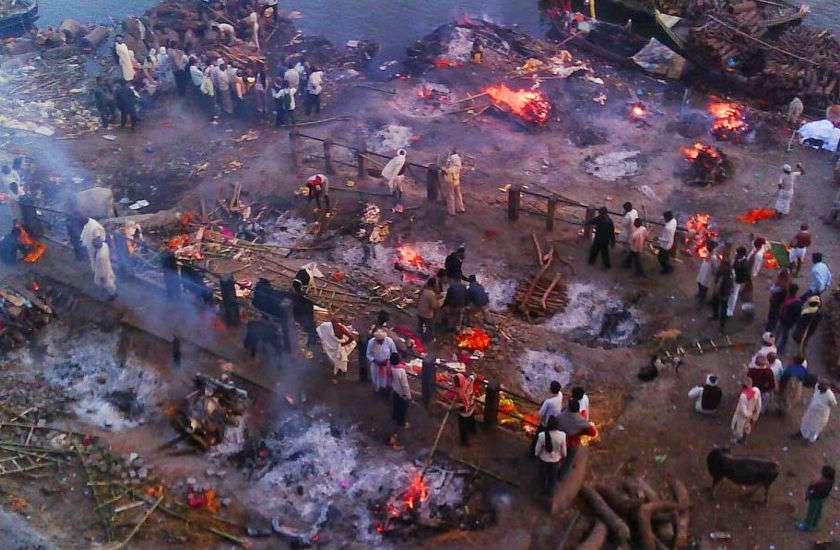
(156, 161)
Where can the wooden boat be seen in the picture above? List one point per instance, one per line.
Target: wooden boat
(17, 15)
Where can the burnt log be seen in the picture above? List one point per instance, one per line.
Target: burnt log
(596, 539)
(617, 526)
(571, 479)
(683, 516)
(647, 538)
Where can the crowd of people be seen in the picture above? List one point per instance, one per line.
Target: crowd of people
(229, 87)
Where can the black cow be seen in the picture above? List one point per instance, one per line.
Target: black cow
(742, 470)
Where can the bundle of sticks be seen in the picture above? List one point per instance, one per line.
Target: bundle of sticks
(545, 293)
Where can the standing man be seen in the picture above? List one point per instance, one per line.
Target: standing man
(103, 272)
(816, 415)
(809, 319)
(126, 99)
(550, 449)
(815, 495)
(665, 242)
(221, 85)
(452, 176)
(314, 87)
(401, 395)
(787, 183)
(103, 97)
(638, 242)
(454, 304)
(427, 306)
(788, 318)
(125, 57)
(741, 269)
(627, 223)
(747, 411)
(604, 237)
(466, 410)
(553, 405)
(798, 248)
(378, 353)
(820, 276)
(454, 264)
(477, 301)
(706, 273)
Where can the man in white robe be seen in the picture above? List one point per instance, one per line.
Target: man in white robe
(787, 183)
(126, 59)
(103, 272)
(452, 176)
(816, 415)
(393, 169)
(90, 232)
(747, 412)
(337, 347)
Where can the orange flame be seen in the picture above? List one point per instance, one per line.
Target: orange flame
(442, 63)
(729, 119)
(473, 338)
(529, 105)
(638, 111)
(698, 148)
(409, 255)
(698, 234)
(755, 215)
(770, 261)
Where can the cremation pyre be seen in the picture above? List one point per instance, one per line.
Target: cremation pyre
(708, 164)
(729, 123)
(530, 106)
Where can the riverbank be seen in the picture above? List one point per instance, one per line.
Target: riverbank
(590, 149)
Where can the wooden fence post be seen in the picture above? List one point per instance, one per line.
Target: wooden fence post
(361, 164)
(329, 168)
(427, 380)
(297, 154)
(552, 211)
(514, 197)
(432, 183)
(587, 227)
(491, 404)
(230, 305)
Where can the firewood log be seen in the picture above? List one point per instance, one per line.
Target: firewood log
(567, 488)
(596, 539)
(640, 489)
(646, 511)
(683, 517)
(617, 526)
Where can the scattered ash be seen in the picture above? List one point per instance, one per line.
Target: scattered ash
(613, 166)
(539, 368)
(390, 138)
(108, 392)
(286, 231)
(594, 317)
(319, 482)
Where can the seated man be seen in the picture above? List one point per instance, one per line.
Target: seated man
(707, 397)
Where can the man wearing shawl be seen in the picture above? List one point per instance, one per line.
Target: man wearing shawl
(379, 350)
(747, 412)
(816, 415)
(338, 342)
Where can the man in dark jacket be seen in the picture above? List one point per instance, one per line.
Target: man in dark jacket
(809, 319)
(454, 303)
(477, 299)
(815, 495)
(454, 264)
(103, 97)
(788, 318)
(604, 237)
(126, 103)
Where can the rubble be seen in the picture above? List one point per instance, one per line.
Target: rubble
(207, 411)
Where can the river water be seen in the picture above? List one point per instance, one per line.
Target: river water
(392, 23)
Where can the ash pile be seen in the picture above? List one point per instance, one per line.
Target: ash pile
(316, 482)
(212, 413)
(597, 318)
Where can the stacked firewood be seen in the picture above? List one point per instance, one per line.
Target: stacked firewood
(718, 40)
(808, 68)
(632, 510)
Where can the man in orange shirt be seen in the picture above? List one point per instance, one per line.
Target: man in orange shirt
(638, 241)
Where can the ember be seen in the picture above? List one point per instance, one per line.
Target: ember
(442, 63)
(409, 256)
(529, 105)
(637, 111)
(729, 124)
(474, 339)
(699, 233)
(708, 164)
(755, 215)
(770, 261)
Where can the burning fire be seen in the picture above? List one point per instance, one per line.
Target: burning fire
(529, 105)
(729, 120)
(637, 111)
(699, 233)
(755, 215)
(416, 493)
(770, 261)
(698, 148)
(409, 256)
(443, 63)
(473, 339)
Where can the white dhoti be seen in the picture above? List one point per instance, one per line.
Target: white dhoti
(816, 415)
(338, 352)
(103, 272)
(784, 198)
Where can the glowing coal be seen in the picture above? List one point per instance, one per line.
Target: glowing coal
(729, 124)
(529, 105)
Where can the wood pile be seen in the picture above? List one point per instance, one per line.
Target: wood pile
(633, 511)
(22, 312)
(545, 293)
(810, 70)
